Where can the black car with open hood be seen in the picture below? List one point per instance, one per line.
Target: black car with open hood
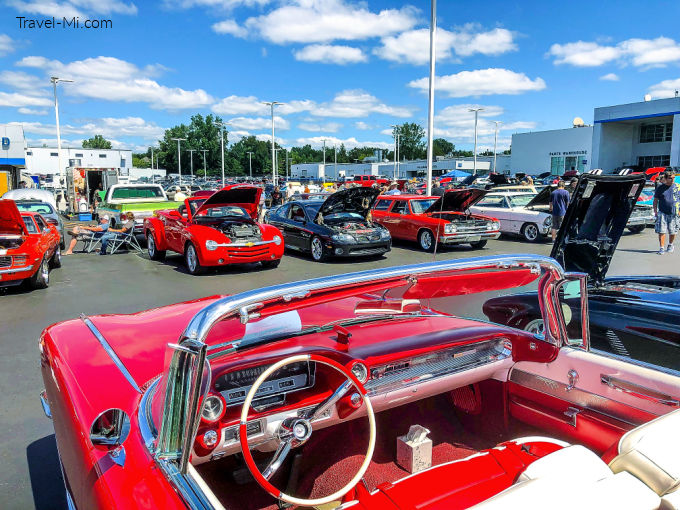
(630, 316)
(339, 226)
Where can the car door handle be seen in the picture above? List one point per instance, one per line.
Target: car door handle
(638, 391)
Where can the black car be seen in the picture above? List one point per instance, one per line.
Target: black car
(338, 226)
(634, 317)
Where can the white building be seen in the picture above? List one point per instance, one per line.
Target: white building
(12, 160)
(45, 160)
(554, 151)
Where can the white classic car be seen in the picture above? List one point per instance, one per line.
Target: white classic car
(523, 213)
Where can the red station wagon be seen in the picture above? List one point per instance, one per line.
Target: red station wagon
(428, 220)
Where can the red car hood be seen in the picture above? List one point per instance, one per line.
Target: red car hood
(10, 219)
(457, 200)
(247, 197)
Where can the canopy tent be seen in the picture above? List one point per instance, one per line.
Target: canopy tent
(454, 174)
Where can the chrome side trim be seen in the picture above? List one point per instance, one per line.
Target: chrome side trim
(45, 404)
(109, 350)
(636, 362)
(70, 505)
(638, 391)
(578, 397)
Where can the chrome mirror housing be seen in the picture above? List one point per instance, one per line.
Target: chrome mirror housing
(109, 431)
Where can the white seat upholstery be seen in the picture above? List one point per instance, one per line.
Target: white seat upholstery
(574, 463)
(671, 501)
(651, 452)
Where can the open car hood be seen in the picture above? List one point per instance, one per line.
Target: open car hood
(594, 222)
(543, 197)
(247, 197)
(499, 179)
(457, 200)
(10, 219)
(357, 200)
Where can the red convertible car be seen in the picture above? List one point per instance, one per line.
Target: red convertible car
(431, 220)
(29, 247)
(322, 393)
(215, 231)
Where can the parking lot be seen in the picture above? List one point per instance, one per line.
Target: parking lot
(126, 283)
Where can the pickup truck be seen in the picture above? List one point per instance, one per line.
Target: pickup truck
(140, 199)
(370, 180)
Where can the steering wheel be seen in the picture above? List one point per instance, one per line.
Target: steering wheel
(294, 432)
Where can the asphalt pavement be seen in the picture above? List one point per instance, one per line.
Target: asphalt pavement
(125, 283)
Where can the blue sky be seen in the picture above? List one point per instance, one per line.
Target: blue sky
(345, 70)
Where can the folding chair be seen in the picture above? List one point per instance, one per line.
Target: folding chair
(93, 242)
(128, 239)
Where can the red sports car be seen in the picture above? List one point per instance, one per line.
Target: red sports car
(430, 220)
(215, 231)
(29, 247)
(322, 394)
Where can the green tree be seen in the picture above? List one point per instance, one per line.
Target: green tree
(442, 147)
(202, 133)
(411, 140)
(96, 142)
(141, 160)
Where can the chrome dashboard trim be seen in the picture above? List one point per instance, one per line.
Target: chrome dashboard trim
(109, 350)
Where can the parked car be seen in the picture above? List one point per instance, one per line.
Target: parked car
(271, 396)
(370, 181)
(49, 214)
(634, 317)
(142, 200)
(215, 231)
(29, 247)
(430, 220)
(338, 226)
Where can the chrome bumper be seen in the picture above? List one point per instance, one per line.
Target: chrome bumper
(13, 270)
(640, 220)
(242, 245)
(468, 237)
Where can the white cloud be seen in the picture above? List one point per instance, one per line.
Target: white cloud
(239, 105)
(6, 45)
(214, 4)
(643, 53)
(27, 83)
(112, 79)
(327, 53)
(70, 8)
(229, 26)
(666, 88)
(29, 111)
(317, 141)
(109, 127)
(319, 21)
(19, 99)
(413, 46)
(329, 127)
(482, 82)
(362, 125)
(259, 123)
(610, 77)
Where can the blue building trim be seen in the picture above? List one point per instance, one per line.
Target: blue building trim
(13, 161)
(637, 117)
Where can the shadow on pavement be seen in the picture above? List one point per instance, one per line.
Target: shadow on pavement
(47, 483)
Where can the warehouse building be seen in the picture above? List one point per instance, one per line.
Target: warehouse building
(45, 160)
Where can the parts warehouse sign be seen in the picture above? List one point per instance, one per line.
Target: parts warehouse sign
(63, 23)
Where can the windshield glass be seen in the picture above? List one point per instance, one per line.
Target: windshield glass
(343, 216)
(137, 192)
(313, 209)
(420, 206)
(38, 207)
(219, 211)
(521, 200)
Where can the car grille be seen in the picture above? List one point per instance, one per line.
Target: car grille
(472, 226)
(5, 261)
(248, 252)
(368, 251)
(368, 238)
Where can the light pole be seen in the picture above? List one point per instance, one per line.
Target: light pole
(191, 158)
(474, 153)
(272, 104)
(250, 162)
(55, 80)
(396, 151)
(286, 163)
(179, 158)
(430, 110)
(205, 172)
(495, 143)
(221, 126)
(335, 168)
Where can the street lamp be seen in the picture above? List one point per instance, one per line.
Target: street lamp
(191, 158)
(396, 151)
(179, 158)
(272, 104)
(474, 154)
(221, 126)
(55, 80)
(250, 162)
(205, 172)
(495, 143)
(430, 109)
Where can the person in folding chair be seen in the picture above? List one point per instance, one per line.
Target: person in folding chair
(88, 235)
(119, 237)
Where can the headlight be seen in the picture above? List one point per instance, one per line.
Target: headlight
(548, 221)
(489, 225)
(277, 240)
(495, 225)
(211, 245)
(450, 228)
(343, 238)
(385, 234)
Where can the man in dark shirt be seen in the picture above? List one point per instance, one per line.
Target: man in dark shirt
(437, 190)
(276, 196)
(559, 201)
(666, 203)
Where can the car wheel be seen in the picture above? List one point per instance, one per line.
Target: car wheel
(271, 264)
(191, 260)
(41, 278)
(55, 261)
(536, 326)
(426, 240)
(479, 244)
(316, 246)
(637, 229)
(154, 253)
(530, 232)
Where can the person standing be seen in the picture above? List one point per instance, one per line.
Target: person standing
(276, 196)
(437, 190)
(666, 204)
(559, 201)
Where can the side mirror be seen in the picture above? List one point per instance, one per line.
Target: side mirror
(109, 431)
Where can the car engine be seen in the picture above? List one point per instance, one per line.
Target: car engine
(240, 231)
(10, 242)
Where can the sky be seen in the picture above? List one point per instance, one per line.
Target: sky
(345, 70)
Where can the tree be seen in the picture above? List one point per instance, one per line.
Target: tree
(442, 147)
(201, 133)
(97, 142)
(141, 160)
(411, 140)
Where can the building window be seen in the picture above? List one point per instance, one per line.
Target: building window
(557, 165)
(654, 161)
(102, 155)
(650, 133)
(79, 155)
(54, 154)
(29, 153)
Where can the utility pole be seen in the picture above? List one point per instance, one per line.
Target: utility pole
(335, 169)
(250, 162)
(191, 158)
(179, 157)
(495, 143)
(62, 170)
(205, 172)
(474, 153)
(430, 109)
(272, 104)
(286, 163)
